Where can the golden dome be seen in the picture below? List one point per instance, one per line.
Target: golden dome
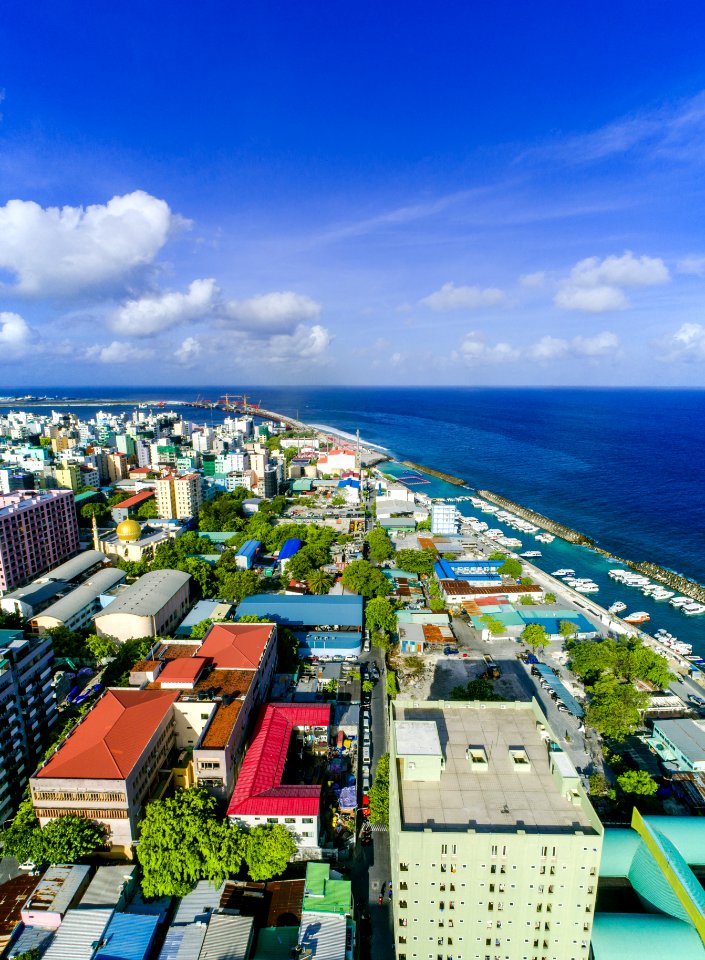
(128, 530)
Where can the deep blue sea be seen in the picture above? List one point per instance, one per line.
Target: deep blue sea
(625, 467)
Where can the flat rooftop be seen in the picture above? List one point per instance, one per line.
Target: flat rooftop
(495, 794)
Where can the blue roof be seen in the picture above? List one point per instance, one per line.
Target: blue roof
(344, 611)
(473, 572)
(128, 937)
(551, 621)
(563, 693)
(289, 548)
(249, 548)
(642, 936)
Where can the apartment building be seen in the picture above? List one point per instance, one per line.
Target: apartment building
(178, 497)
(27, 711)
(495, 848)
(443, 519)
(38, 530)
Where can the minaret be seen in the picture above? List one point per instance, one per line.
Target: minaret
(96, 538)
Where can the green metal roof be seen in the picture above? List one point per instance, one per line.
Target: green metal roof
(323, 895)
(685, 833)
(623, 936)
(87, 495)
(618, 849)
(276, 943)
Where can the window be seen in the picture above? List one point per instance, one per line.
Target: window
(289, 819)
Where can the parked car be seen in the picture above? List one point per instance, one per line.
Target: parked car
(450, 651)
(698, 701)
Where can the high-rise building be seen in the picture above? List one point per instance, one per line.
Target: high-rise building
(178, 497)
(443, 520)
(37, 531)
(495, 847)
(118, 468)
(68, 476)
(27, 711)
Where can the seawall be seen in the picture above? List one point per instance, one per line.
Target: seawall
(559, 529)
(434, 473)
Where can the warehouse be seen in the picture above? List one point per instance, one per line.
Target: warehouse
(77, 609)
(152, 606)
(326, 627)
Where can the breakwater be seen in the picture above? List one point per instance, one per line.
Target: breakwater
(456, 481)
(559, 529)
(674, 581)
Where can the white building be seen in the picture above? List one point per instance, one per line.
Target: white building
(443, 519)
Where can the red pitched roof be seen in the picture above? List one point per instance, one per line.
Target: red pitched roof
(182, 670)
(107, 744)
(236, 646)
(259, 791)
(134, 501)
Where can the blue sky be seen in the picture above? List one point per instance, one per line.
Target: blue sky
(320, 193)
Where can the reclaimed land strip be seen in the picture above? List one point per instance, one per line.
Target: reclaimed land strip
(572, 536)
(434, 473)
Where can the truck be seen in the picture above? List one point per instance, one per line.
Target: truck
(492, 671)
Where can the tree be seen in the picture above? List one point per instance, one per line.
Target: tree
(67, 839)
(148, 510)
(380, 615)
(510, 568)
(526, 601)
(391, 684)
(268, 850)
(598, 784)
(23, 839)
(287, 649)
(615, 708)
(367, 686)
(568, 629)
(497, 555)
(98, 510)
(380, 545)
(479, 689)
(182, 841)
(416, 561)
(637, 782)
(238, 585)
(379, 793)
(319, 582)
(495, 626)
(534, 636)
(202, 573)
(361, 577)
(68, 643)
(200, 629)
(550, 598)
(101, 647)
(301, 565)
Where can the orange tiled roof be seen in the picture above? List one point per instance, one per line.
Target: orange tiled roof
(236, 646)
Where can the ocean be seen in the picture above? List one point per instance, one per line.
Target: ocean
(625, 467)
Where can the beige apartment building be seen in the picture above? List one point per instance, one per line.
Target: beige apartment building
(178, 497)
(495, 847)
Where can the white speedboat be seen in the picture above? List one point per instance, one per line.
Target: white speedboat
(617, 607)
(693, 609)
(640, 616)
(530, 553)
(588, 587)
(679, 601)
(563, 572)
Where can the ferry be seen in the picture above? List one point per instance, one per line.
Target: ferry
(586, 586)
(639, 617)
(531, 553)
(661, 594)
(563, 572)
(693, 609)
(617, 607)
(679, 601)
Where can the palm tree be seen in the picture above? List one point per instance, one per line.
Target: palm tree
(319, 582)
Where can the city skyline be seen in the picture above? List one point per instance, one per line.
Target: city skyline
(345, 197)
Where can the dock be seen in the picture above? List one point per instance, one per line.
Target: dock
(558, 529)
(456, 481)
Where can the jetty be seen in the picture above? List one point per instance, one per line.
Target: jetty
(456, 481)
(558, 529)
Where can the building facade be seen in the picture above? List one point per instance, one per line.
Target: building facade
(178, 497)
(443, 521)
(152, 606)
(495, 848)
(37, 532)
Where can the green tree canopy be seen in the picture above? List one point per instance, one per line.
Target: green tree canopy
(495, 626)
(416, 561)
(200, 629)
(627, 659)
(615, 708)
(534, 636)
(479, 689)
(148, 510)
(319, 582)
(301, 565)
(361, 577)
(101, 647)
(183, 841)
(380, 615)
(96, 509)
(64, 840)
(511, 568)
(268, 850)
(637, 782)
(379, 793)
(567, 628)
(224, 512)
(380, 545)
(237, 585)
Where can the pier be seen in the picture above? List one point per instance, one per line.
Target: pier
(456, 481)
(558, 529)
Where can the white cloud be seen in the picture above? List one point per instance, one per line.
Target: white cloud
(686, 345)
(533, 280)
(152, 314)
(597, 286)
(474, 350)
(450, 297)
(692, 265)
(396, 359)
(548, 348)
(590, 300)
(305, 343)
(188, 352)
(118, 352)
(603, 344)
(14, 336)
(65, 251)
(278, 312)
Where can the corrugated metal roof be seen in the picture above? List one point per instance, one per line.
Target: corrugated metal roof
(149, 594)
(297, 610)
(108, 887)
(76, 566)
(249, 548)
(323, 934)
(31, 938)
(184, 943)
(83, 595)
(57, 889)
(276, 943)
(128, 937)
(289, 548)
(199, 904)
(228, 937)
(78, 933)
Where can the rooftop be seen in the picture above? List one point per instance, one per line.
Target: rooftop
(110, 739)
(505, 784)
(323, 894)
(259, 790)
(84, 594)
(149, 594)
(332, 610)
(236, 646)
(134, 501)
(687, 735)
(462, 587)
(272, 904)
(183, 670)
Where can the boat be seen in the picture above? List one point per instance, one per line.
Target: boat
(531, 553)
(640, 616)
(617, 607)
(567, 572)
(661, 594)
(679, 601)
(588, 587)
(545, 537)
(693, 609)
